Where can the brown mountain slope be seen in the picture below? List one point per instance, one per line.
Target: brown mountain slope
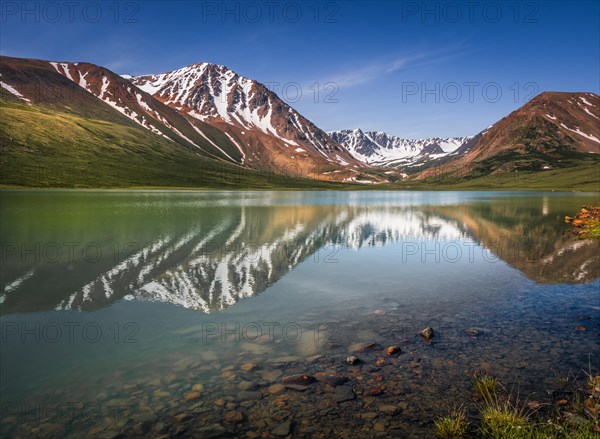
(90, 91)
(261, 124)
(255, 130)
(545, 133)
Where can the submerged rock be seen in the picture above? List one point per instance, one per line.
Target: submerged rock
(369, 416)
(271, 375)
(247, 385)
(302, 380)
(275, 389)
(333, 379)
(343, 393)
(427, 333)
(352, 359)
(296, 387)
(393, 350)
(198, 388)
(215, 431)
(190, 396)
(282, 429)
(389, 409)
(247, 367)
(247, 395)
(374, 391)
(361, 347)
(234, 417)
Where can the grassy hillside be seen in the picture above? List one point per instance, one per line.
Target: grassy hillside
(580, 174)
(42, 147)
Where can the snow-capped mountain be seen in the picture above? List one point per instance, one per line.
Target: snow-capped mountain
(381, 149)
(263, 126)
(97, 93)
(207, 109)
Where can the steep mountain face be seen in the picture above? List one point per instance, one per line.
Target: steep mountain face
(549, 121)
(263, 126)
(254, 129)
(547, 132)
(94, 92)
(381, 149)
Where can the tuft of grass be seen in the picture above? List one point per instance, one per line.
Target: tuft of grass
(592, 231)
(486, 387)
(504, 420)
(452, 426)
(502, 416)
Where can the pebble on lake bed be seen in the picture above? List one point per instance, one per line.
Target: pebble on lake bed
(275, 389)
(393, 350)
(302, 380)
(190, 396)
(427, 333)
(352, 359)
(198, 388)
(234, 417)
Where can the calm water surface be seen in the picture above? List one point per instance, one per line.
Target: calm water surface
(181, 313)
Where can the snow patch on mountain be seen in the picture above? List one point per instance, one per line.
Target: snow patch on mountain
(577, 131)
(212, 93)
(9, 88)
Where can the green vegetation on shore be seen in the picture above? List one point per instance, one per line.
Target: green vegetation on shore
(582, 174)
(501, 415)
(586, 223)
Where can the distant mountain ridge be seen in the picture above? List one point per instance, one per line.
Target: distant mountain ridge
(381, 149)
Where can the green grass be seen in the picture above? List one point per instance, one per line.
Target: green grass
(582, 174)
(504, 420)
(501, 416)
(486, 387)
(592, 231)
(41, 147)
(453, 426)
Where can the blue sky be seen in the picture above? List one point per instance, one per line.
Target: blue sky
(410, 68)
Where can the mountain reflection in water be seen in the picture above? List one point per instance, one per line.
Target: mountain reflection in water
(208, 251)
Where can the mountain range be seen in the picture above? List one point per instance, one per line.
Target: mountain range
(78, 124)
(381, 149)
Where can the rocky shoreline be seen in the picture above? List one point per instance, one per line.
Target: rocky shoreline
(249, 391)
(586, 223)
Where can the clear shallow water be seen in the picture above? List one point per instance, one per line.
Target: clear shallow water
(114, 304)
